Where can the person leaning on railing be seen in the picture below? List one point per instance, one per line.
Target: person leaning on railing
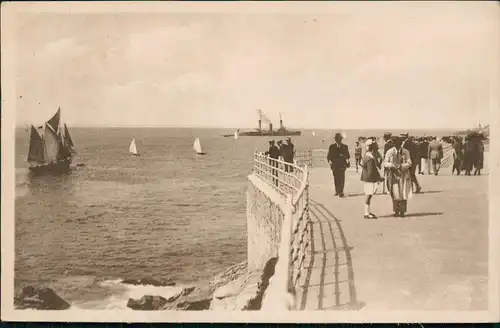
(289, 154)
(273, 153)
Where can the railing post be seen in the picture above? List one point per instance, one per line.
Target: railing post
(285, 255)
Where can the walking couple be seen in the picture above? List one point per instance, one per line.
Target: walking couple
(397, 164)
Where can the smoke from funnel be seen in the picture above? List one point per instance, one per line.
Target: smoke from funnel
(263, 117)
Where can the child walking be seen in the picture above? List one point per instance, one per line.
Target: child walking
(370, 175)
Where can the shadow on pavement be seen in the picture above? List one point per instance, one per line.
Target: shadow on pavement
(331, 256)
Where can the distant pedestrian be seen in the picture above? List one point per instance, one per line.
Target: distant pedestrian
(397, 162)
(469, 155)
(273, 153)
(479, 161)
(435, 154)
(458, 156)
(424, 156)
(357, 155)
(338, 158)
(370, 175)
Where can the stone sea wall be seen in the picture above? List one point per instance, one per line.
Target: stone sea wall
(264, 220)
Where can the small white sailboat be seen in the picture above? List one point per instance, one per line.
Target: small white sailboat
(236, 135)
(197, 147)
(314, 133)
(133, 148)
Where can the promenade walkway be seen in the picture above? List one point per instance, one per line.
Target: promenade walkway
(433, 259)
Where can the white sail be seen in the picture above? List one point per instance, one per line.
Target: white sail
(197, 146)
(236, 135)
(51, 145)
(133, 148)
(314, 133)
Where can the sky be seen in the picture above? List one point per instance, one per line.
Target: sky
(392, 65)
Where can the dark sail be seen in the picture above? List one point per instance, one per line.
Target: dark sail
(36, 152)
(67, 138)
(53, 123)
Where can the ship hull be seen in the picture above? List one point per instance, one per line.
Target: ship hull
(51, 169)
(267, 134)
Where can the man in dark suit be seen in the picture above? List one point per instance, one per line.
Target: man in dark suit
(289, 154)
(338, 158)
(274, 153)
(435, 154)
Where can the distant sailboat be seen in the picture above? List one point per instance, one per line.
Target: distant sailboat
(197, 147)
(51, 150)
(314, 133)
(133, 148)
(236, 135)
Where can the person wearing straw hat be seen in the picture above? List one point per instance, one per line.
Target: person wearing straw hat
(397, 162)
(338, 158)
(370, 175)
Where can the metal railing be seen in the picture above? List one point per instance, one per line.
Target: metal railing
(303, 158)
(291, 181)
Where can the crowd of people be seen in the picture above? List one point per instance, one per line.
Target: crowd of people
(397, 165)
(281, 150)
(394, 168)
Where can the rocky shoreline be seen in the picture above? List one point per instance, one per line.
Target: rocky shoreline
(235, 288)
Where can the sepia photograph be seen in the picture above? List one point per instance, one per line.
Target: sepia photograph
(293, 162)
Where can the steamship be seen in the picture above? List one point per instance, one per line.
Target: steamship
(259, 132)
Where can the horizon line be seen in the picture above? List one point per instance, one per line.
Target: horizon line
(253, 128)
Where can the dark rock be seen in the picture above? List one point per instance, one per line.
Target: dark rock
(199, 298)
(39, 298)
(187, 290)
(147, 303)
(199, 305)
(267, 273)
(148, 281)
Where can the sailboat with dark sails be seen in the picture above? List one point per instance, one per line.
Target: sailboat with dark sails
(51, 150)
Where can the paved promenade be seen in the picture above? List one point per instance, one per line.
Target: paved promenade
(433, 259)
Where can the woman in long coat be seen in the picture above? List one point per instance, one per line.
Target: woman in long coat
(478, 164)
(397, 163)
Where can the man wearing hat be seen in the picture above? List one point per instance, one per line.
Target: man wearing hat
(273, 152)
(409, 145)
(338, 158)
(388, 142)
(435, 154)
(288, 154)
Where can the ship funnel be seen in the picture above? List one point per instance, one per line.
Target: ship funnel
(270, 127)
(260, 125)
